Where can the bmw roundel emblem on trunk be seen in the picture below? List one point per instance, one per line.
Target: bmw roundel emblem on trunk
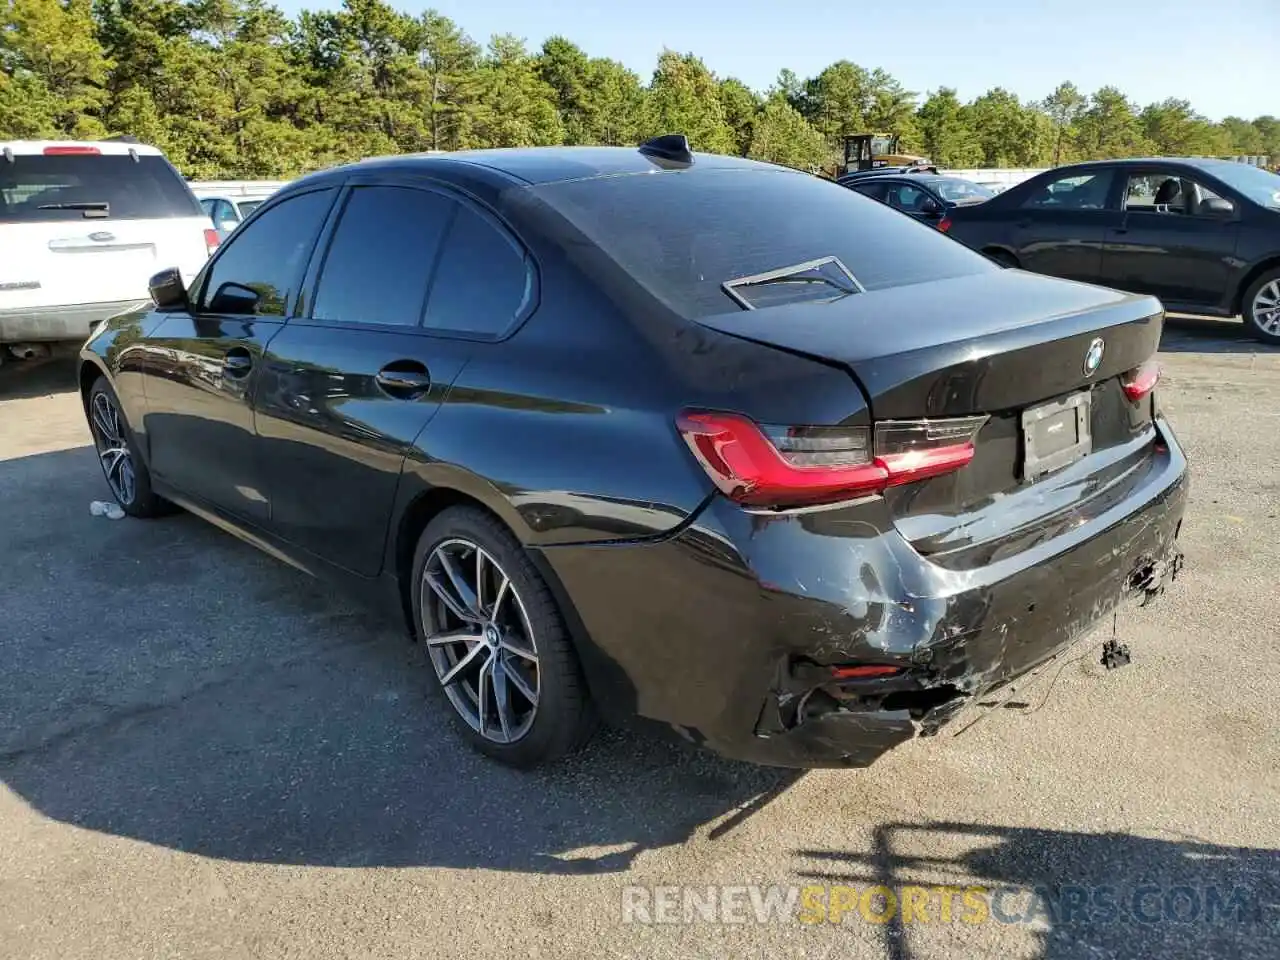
(1093, 357)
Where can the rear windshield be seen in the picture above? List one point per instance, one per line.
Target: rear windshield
(684, 234)
(1260, 186)
(961, 191)
(41, 188)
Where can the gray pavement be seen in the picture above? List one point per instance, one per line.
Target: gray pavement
(205, 754)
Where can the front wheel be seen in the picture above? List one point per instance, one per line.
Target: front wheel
(126, 474)
(1261, 307)
(497, 641)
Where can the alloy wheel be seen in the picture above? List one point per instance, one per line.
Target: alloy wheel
(479, 640)
(1266, 308)
(113, 448)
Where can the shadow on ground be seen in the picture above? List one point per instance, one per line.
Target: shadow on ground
(22, 379)
(1186, 334)
(1082, 895)
(166, 683)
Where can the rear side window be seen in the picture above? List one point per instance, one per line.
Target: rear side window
(261, 265)
(38, 189)
(382, 255)
(483, 282)
(1081, 191)
(681, 235)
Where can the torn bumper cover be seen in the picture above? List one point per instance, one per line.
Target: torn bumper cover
(982, 641)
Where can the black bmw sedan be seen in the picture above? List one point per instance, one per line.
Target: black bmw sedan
(1203, 235)
(641, 432)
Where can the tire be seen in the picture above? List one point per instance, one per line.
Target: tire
(1260, 307)
(495, 648)
(1003, 258)
(123, 468)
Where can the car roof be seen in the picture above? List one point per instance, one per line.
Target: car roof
(541, 165)
(107, 148)
(1203, 163)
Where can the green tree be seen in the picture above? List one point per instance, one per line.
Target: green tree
(1064, 107)
(446, 81)
(683, 98)
(1110, 128)
(781, 134)
(1243, 137)
(837, 100)
(740, 108)
(945, 134)
(890, 108)
(617, 108)
(566, 70)
(517, 107)
(51, 58)
(1008, 133)
(1174, 129)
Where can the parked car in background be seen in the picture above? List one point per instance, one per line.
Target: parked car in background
(636, 431)
(928, 198)
(83, 226)
(228, 204)
(227, 212)
(1201, 234)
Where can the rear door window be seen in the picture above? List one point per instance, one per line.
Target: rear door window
(260, 267)
(382, 255)
(41, 188)
(484, 281)
(683, 235)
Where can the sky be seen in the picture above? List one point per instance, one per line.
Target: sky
(1221, 56)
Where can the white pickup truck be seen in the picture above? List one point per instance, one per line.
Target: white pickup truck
(83, 227)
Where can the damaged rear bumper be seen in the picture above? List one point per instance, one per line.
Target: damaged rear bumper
(734, 639)
(985, 640)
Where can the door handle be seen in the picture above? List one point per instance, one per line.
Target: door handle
(404, 379)
(237, 363)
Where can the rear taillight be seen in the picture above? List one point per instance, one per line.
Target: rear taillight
(1140, 381)
(867, 671)
(211, 240)
(944, 224)
(72, 151)
(779, 466)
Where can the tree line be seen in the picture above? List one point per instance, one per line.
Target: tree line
(235, 89)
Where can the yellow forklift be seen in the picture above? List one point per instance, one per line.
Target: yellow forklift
(877, 151)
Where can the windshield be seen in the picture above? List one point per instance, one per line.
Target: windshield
(961, 191)
(248, 206)
(683, 235)
(1260, 186)
(69, 187)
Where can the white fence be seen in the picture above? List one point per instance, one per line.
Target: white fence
(235, 188)
(997, 179)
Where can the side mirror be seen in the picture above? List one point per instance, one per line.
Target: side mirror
(1217, 207)
(234, 298)
(167, 289)
(930, 207)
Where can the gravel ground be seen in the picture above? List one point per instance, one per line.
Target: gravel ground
(205, 754)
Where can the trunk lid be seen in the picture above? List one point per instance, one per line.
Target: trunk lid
(1005, 344)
